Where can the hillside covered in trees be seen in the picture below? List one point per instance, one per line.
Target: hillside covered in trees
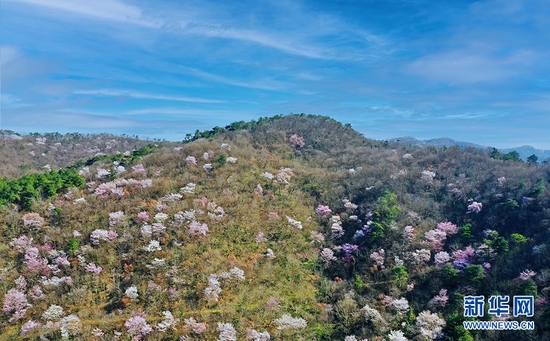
(287, 228)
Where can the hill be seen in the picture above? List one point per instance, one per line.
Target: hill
(286, 228)
(21, 155)
(524, 151)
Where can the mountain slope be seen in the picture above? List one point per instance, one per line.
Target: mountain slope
(337, 237)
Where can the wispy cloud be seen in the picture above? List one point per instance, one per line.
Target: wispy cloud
(471, 66)
(264, 84)
(101, 9)
(272, 40)
(141, 95)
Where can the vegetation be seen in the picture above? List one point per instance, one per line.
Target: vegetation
(290, 228)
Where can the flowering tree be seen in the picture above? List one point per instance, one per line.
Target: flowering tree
(297, 141)
(474, 207)
(323, 211)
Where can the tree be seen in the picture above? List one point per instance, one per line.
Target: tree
(532, 160)
(512, 156)
(496, 154)
(386, 211)
(400, 275)
(474, 273)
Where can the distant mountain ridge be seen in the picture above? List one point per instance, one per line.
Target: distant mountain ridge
(524, 151)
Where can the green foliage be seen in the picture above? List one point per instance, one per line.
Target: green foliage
(474, 273)
(510, 204)
(73, 246)
(532, 159)
(449, 275)
(400, 275)
(496, 154)
(518, 239)
(465, 232)
(528, 287)
(222, 159)
(500, 245)
(539, 188)
(512, 156)
(385, 212)
(25, 190)
(454, 328)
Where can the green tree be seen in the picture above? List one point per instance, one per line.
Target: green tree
(496, 154)
(449, 275)
(385, 212)
(474, 273)
(400, 275)
(512, 156)
(465, 232)
(532, 159)
(529, 288)
(518, 239)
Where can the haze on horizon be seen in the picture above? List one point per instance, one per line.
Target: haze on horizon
(475, 71)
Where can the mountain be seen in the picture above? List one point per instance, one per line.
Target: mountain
(287, 228)
(524, 151)
(442, 141)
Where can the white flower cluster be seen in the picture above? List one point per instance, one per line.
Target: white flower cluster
(401, 305)
(289, 322)
(294, 223)
(253, 335)
(132, 293)
(168, 322)
(188, 189)
(154, 245)
(227, 332)
(429, 324)
(70, 326)
(336, 228)
(213, 290)
(371, 314)
(348, 204)
(54, 312)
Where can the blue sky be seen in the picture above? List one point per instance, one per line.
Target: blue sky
(477, 71)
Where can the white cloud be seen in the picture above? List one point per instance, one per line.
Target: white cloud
(471, 66)
(101, 9)
(8, 53)
(133, 94)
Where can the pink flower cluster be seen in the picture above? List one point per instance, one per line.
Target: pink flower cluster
(33, 220)
(378, 257)
(196, 228)
(474, 207)
(463, 258)
(441, 299)
(91, 267)
(99, 235)
(297, 141)
(323, 211)
(139, 170)
(116, 218)
(436, 238)
(138, 325)
(190, 160)
(142, 216)
(527, 274)
(15, 303)
(408, 233)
